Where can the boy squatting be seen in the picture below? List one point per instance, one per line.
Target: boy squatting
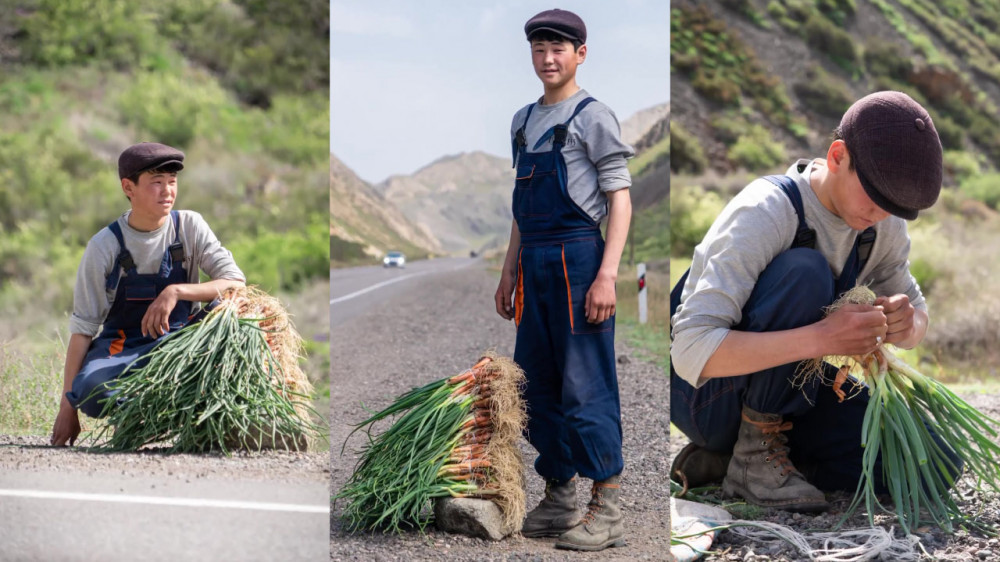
(137, 281)
(751, 308)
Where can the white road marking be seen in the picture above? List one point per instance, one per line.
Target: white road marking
(157, 500)
(393, 280)
(376, 286)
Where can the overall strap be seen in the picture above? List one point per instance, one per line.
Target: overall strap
(805, 237)
(176, 250)
(123, 262)
(520, 141)
(558, 133)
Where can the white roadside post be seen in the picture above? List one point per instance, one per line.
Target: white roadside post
(642, 293)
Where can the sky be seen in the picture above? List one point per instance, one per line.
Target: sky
(414, 81)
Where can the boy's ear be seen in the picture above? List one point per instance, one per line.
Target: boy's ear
(127, 187)
(581, 54)
(837, 156)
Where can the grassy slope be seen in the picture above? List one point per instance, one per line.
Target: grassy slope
(76, 88)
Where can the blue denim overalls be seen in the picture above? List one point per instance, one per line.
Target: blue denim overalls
(121, 341)
(574, 417)
(825, 438)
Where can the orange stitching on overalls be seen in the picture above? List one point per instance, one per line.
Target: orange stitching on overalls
(519, 292)
(569, 293)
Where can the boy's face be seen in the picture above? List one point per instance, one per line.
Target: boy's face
(555, 62)
(851, 202)
(154, 194)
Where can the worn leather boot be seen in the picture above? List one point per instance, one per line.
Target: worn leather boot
(761, 472)
(699, 466)
(601, 526)
(555, 514)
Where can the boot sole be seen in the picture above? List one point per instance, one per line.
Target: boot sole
(543, 533)
(591, 548)
(730, 490)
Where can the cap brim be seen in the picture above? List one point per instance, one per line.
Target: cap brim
(876, 196)
(569, 36)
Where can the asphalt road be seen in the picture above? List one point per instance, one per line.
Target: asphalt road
(408, 331)
(354, 290)
(75, 516)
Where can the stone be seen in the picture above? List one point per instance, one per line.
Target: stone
(469, 516)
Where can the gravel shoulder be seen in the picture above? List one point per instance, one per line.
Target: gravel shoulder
(33, 454)
(936, 545)
(438, 327)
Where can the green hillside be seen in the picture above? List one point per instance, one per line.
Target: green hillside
(756, 84)
(242, 86)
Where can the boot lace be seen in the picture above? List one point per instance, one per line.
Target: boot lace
(777, 451)
(596, 502)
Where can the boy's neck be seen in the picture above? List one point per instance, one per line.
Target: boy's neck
(561, 93)
(145, 224)
(820, 182)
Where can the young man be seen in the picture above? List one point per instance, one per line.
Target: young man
(751, 308)
(571, 174)
(139, 279)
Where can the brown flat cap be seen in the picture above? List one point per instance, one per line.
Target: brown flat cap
(896, 152)
(561, 22)
(148, 156)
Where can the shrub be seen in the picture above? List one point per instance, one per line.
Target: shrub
(692, 212)
(756, 151)
(823, 94)
(728, 127)
(883, 58)
(66, 32)
(951, 134)
(826, 37)
(284, 260)
(984, 188)
(925, 273)
(174, 109)
(960, 164)
(686, 154)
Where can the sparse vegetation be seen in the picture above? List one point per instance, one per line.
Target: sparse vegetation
(756, 150)
(686, 153)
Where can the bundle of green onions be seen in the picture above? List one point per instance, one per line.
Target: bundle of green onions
(455, 437)
(229, 381)
(904, 405)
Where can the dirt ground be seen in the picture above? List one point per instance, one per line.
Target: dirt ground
(439, 328)
(934, 544)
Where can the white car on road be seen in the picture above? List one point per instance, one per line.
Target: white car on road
(394, 259)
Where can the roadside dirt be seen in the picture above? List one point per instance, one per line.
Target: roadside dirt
(439, 327)
(935, 544)
(33, 454)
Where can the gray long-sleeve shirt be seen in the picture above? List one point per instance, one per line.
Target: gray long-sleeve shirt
(757, 225)
(594, 152)
(202, 251)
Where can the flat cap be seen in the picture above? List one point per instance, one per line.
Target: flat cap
(561, 22)
(896, 152)
(148, 156)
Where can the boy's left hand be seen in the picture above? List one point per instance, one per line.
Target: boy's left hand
(600, 303)
(156, 321)
(898, 317)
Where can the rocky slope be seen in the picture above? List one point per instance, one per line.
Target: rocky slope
(362, 219)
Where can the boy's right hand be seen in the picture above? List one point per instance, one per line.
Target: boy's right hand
(854, 329)
(67, 426)
(505, 305)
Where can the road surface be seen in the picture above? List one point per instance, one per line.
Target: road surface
(388, 338)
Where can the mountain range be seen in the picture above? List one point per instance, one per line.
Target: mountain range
(460, 203)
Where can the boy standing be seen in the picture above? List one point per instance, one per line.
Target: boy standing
(571, 174)
(751, 308)
(138, 278)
